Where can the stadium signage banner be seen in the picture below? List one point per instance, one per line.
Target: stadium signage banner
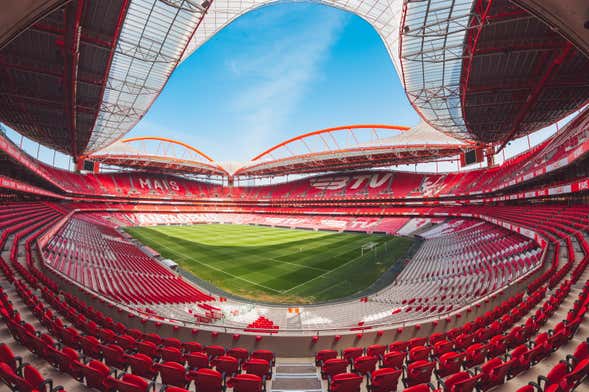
(9, 183)
(373, 180)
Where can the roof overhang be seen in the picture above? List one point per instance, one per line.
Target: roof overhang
(435, 46)
(157, 154)
(330, 153)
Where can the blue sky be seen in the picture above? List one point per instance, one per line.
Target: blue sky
(274, 73)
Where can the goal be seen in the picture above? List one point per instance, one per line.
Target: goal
(368, 247)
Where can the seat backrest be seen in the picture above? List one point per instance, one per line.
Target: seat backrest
(172, 342)
(581, 352)
(131, 383)
(215, 351)
(352, 353)
(171, 353)
(245, 383)
(420, 371)
(7, 356)
(346, 382)
(461, 382)
(451, 360)
(172, 373)
(376, 350)
(416, 342)
(324, 355)
(490, 365)
(95, 373)
(365, 364)
(239, 353)
(418, 388)
(153, 337)
(147, 347)
(557, 372)
(393, 359)
(226, 364)
(191, 347)
(208, 380)
(398, 346)
(334, 366)
(385, 379)
(142, 365)
(264, 354)
(197, 360)
(418, 353)
(256, 366)
(442, 347)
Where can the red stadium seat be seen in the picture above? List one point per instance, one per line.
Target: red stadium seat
(214, 351)
(208, 380)
(173, 373)
(265, 354)
(323, 355)
(171, 354)
(259, 367)
(333, 366)
(345, 382)
(97, 375)
(143, 366)
(418, 372)
(460, 382)
(384, 380)
(228, 366)
(133, 383)
(90, 346)
(449, 363)
(393, 359)
(240, 353)
(365, 364)
(246, 383)
(30, 381)
(192, 347)
(493, 373)
(7, 357)
(197, 360)
(418, 353)
(351, 353)
(377, 350)
(114, 356)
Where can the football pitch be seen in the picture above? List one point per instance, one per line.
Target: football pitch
(275, 264)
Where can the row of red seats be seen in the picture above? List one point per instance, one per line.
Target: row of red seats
(97, 373)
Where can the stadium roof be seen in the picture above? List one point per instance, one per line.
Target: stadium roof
(78, 77)
(157, 154)
(353, 147)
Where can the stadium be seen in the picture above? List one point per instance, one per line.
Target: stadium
(340, 259)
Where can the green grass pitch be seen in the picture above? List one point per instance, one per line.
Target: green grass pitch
(274, 264)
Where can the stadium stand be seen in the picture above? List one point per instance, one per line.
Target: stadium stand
(493, 294)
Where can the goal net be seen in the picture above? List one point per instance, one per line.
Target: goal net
(368, 247)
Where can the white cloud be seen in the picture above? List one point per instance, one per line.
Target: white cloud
(280, 71)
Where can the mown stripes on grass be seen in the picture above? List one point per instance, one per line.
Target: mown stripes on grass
(273, 264)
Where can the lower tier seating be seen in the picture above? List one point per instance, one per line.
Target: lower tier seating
(77, 346)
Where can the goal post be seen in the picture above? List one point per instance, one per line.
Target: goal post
(368, 247)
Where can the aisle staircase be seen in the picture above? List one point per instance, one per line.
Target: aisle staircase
(293, 375)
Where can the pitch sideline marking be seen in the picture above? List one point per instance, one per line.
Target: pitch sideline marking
(218, 269)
